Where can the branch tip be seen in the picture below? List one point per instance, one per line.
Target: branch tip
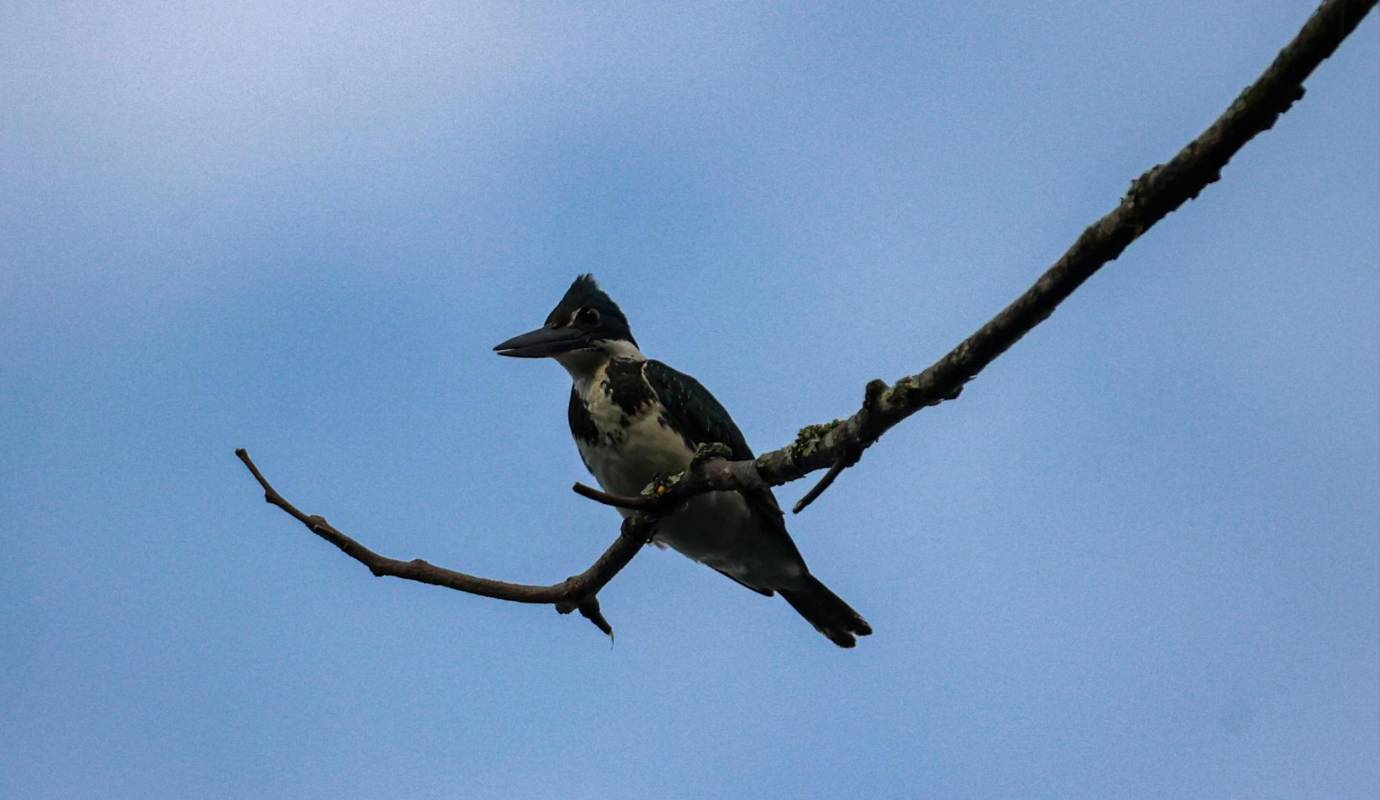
(589, 609)
(639, 503)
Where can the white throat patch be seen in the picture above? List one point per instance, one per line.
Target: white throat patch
(583, 364)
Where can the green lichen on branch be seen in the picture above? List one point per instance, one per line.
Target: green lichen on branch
(808, 439)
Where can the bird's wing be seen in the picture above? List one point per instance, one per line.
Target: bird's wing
(693, 409)
(581, 426)
(704, 420)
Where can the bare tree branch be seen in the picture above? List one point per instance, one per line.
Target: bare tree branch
(1152, 196)
(577, 592)
(839, 444)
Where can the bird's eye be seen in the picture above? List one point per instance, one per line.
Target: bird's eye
(588, 316)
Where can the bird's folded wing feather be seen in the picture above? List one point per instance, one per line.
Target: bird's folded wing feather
(697, 413)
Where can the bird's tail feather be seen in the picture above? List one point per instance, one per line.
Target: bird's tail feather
(826, 611)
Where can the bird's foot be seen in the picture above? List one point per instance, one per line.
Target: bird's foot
(704, 452)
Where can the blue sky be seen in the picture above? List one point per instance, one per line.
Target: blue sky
(1140, 557)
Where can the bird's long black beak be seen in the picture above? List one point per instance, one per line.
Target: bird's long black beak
(541, 343)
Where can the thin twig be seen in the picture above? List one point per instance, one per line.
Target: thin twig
(630, 502)
(824, 483)
(868, 432)
(574, 593)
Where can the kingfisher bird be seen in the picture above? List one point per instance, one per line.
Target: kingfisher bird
(634, 419)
